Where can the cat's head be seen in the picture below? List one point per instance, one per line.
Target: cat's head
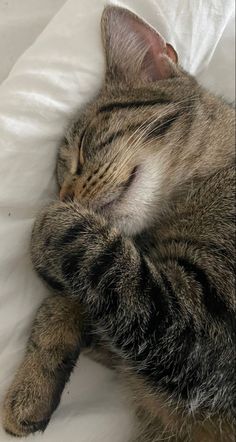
(112, 158)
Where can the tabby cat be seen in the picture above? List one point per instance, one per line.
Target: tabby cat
(139, 252)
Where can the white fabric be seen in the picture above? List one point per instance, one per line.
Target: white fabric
(20, 24)
(60, 72)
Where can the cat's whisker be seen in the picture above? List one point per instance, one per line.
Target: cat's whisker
(141, 130)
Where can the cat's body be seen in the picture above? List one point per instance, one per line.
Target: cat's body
(143, 270)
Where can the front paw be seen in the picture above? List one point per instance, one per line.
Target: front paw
(44, 251)
(64, 235)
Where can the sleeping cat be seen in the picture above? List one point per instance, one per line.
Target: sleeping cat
(139, 252)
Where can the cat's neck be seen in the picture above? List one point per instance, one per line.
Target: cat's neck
(207, 147)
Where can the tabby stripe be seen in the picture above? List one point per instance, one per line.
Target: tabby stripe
(149, 286)
(114, 136)
(117, 105)
(103, 264)
(52, 282)
(163, 126)
(158, 370)
(213, 303)
(186, 375)
(144, 274)
(71, 262)
(171, 293)
(71, 235)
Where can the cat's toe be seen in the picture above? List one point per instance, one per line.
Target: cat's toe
(16, 428)
(22, 417)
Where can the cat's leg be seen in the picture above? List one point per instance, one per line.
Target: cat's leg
(99, 351)
(52, 351)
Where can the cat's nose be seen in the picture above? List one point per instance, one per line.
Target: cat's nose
(66, 193)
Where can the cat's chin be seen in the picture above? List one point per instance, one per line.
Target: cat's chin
(129, 222)
(131, 210)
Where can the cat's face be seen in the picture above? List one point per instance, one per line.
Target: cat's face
(112, 157)
(110, 166)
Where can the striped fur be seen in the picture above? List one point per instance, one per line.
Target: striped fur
(141, 247)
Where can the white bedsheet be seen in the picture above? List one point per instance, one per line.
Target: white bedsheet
(60, 72)
(21, 22)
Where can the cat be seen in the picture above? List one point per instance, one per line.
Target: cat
(139, 251)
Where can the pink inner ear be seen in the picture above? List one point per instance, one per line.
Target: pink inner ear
(135, 49)
(155, 66)
(171, 52)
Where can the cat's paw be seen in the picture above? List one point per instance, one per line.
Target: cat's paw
(27, 407)
(52, 224)
(67, 241)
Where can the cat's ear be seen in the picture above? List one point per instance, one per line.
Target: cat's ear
(134, 50)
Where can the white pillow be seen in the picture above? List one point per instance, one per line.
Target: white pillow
(55, 77)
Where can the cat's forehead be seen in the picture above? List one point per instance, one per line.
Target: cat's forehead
(93, 123)
(116, 109)
(95, 130)
(118, 113)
